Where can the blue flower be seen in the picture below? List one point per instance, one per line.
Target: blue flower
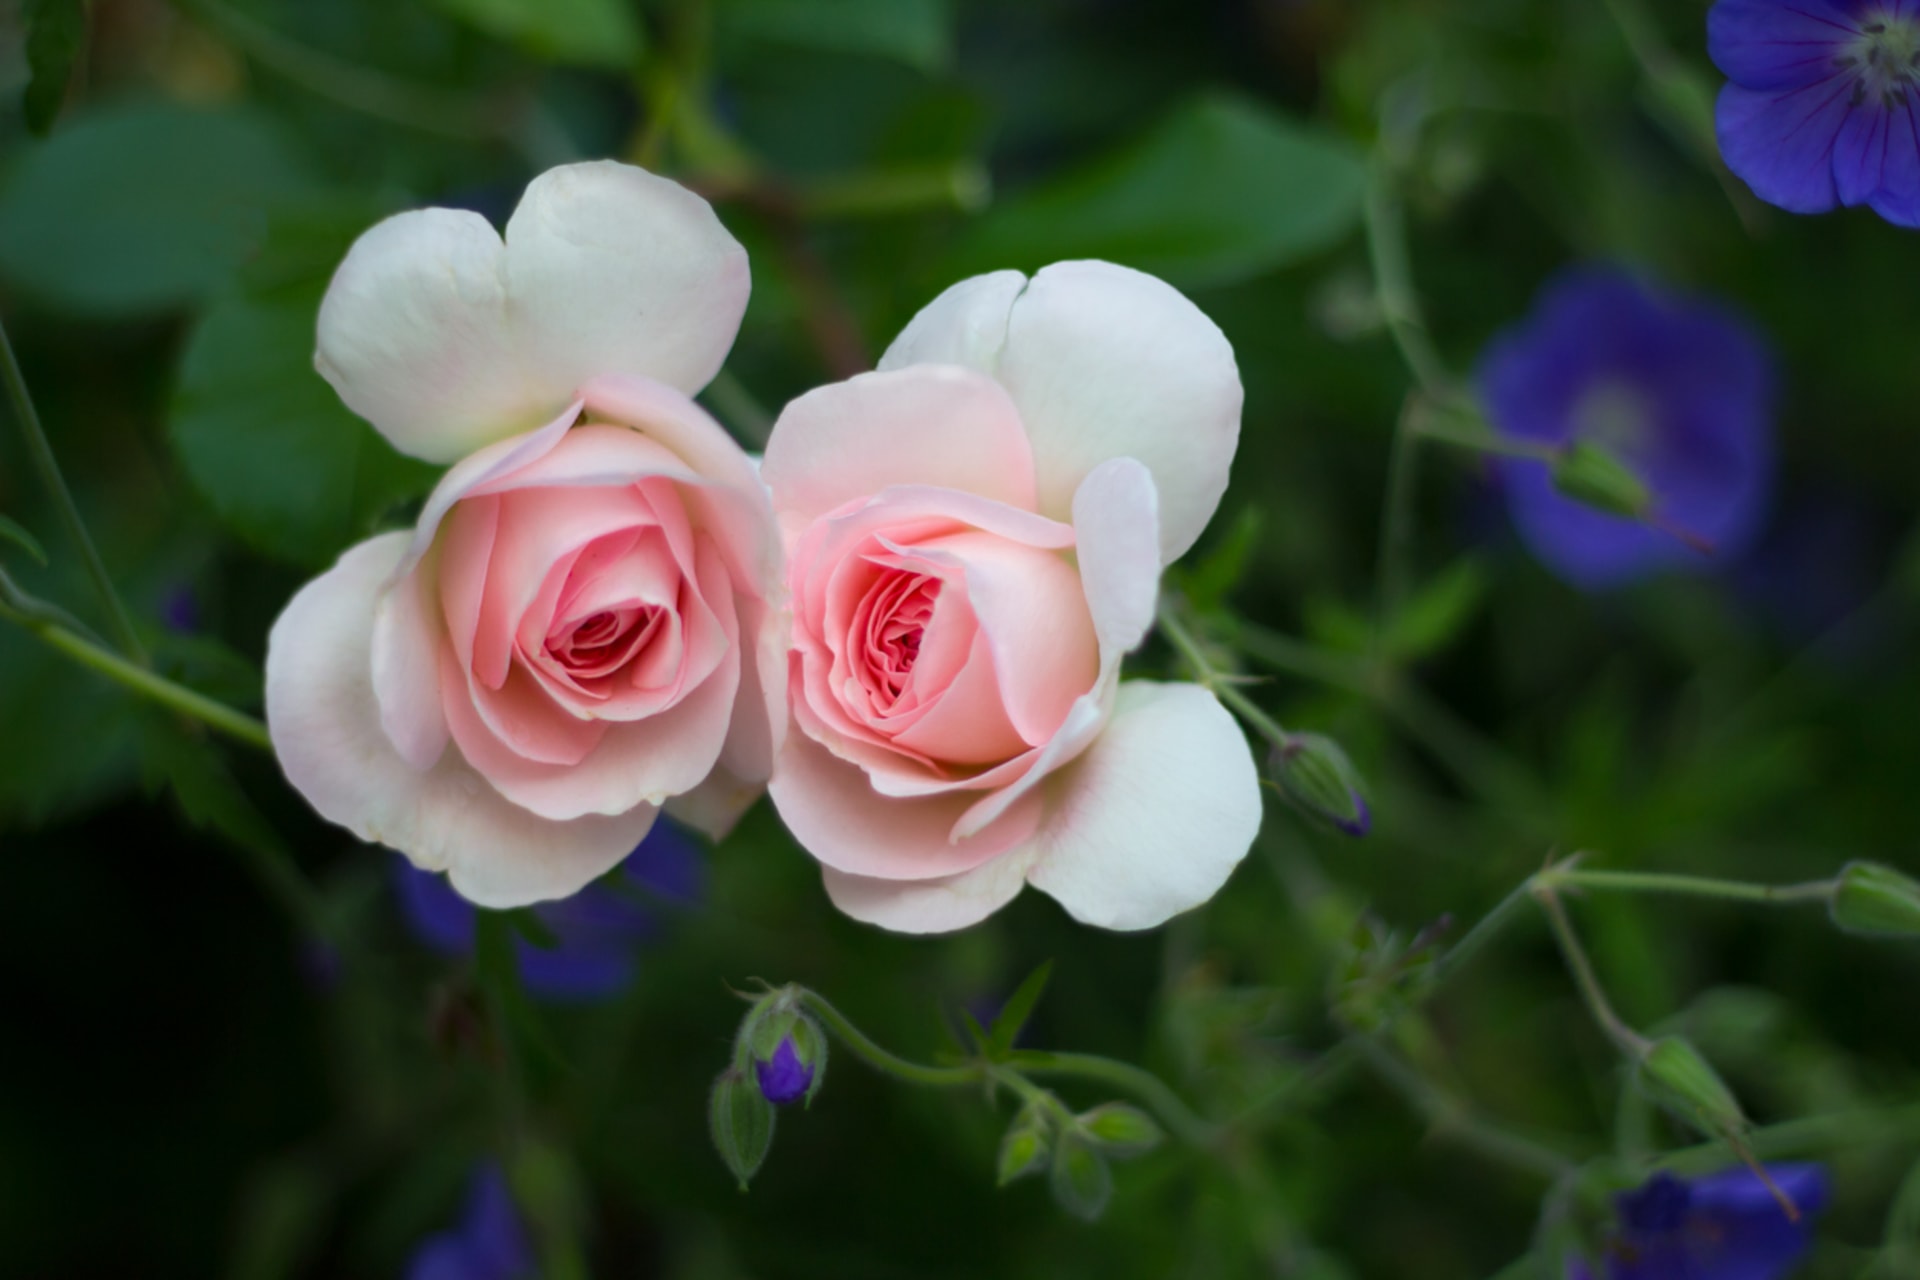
(597, 929)
(1819, 106)
(1680, 390)
(1726, 1226)
(490, 1243)
(783, 1078)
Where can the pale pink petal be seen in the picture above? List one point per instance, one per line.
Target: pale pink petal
(405, 646)
(839, 819)
(1155, 815)
(928, 906)
(614, 270)
(1116, 523)
(501, 458)
(926, 425)
(1107, 362)
(639, 763)
(326, 731)
(416, 335)
(966, 325)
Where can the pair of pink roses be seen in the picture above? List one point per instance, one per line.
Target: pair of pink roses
(907, 623)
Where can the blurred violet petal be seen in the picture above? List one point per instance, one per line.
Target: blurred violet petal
(598, 929)
(1725, 1226)
(1680, 390)
(489, 1243)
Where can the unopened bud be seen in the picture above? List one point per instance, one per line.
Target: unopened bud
(1025, 1148)
(1675, 1075)
(1081, 1181)
(1592, 476)
(1876, 901)
(741, 1120)
(1315, 776)
(1119, 1130)
(787, 1048)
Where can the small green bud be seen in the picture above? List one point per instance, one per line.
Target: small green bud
(1876, 901)
(1081, 1181)
(742, 1123)
(1315, 776)
(1589, 474)
(1025, 1148)
(1119, 1130)
(1675, 1075)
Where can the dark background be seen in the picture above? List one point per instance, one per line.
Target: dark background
(189, 1086)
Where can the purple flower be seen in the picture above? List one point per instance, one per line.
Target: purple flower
(490, 1242)
(1678, 389)
(1726, 1226)
(1819, 105)
(784, 1077)
(597, 929)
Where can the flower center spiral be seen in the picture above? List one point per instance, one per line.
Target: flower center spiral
(1884, 59)
(895, 622)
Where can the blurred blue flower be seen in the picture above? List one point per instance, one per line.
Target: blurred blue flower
(1726, 1226)
(490, 1242)
(597, 929)
(1819, 106)
(1678, 389)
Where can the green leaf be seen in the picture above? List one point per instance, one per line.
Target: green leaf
(596, 33)
(1025, 1147)
(141, 208)
(262, 436)
(916, 32)
(11, 531)
(56, 30)
(1222, 190)
(1081, 1179)
(499, 972)
(741, 1121)
(1435, 617)
(1121, 1131)
(1019, 1007)
(1212, 576)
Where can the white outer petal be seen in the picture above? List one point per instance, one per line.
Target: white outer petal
(928, 906)
(1155, 815)
(1103, 362)
(446, 339)
(326, 731)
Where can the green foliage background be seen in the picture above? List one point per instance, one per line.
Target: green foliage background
(181, 1094)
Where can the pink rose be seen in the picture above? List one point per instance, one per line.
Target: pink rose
(577, 631)
(975, 535)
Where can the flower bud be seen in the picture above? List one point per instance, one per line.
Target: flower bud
(787, 1048)
(741, 1120)
(1876, 901)
(1315, 776)
(1025, 1147)
(1081, 1181)
(1119, 1130)
(1592, 476)
(1675, 1075)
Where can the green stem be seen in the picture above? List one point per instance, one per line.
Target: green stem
(1889, 1126)
(740, 409)
(1690, 886)
(1629, 1041)
(1211, 678)
(1483, 932)
(1181, 1120)
(1393, 283)
(1391, 565)
(1297, 657)
(49, 468)
(1452, 1118)
(881, 1059)
(177, 697)
(962, 185)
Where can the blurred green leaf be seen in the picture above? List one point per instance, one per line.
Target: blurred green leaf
(916, 32)
(1435, 617)
(598, 33)
(1214, 575)
(142, 207)
(263, 437)
(1019, 1007)
(56, 30)
(12, 531)
(498, 969)
(1223, 189)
